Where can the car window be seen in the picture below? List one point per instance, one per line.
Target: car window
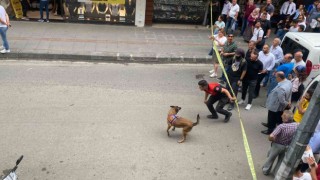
(290, 46)
(314, 85)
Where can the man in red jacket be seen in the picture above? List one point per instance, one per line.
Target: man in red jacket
(217, 93)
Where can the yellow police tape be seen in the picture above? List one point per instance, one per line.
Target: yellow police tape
(244, 136)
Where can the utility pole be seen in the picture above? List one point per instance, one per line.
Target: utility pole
(300, 141)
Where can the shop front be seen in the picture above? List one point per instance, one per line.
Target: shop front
(179, 11)
(95, 11)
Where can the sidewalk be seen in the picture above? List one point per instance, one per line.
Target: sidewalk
(67, 41)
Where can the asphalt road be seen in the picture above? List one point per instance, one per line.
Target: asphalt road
(108, 121)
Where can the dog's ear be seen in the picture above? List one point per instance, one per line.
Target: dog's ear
(172, 106)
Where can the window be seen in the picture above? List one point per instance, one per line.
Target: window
(290, 46)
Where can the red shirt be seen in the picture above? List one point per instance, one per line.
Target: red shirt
(214, 89)
(248, 10)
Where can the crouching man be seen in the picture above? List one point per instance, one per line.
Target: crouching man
(217, 93)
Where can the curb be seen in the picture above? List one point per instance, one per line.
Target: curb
(108, 58)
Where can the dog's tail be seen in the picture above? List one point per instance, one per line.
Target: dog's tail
(196, 123)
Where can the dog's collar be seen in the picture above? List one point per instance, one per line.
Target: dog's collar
(173, 118)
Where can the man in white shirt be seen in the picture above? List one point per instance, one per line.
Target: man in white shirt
(298, 61)
(268, 61)
(4, 25)
(232, 17)
(225, 9)
(257, 33)
(287, 9)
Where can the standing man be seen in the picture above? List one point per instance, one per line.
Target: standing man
(266, 26)
(254, 67)
(225, 10)
(277, 101)
(288, 8)
(227, 53)
(257, 36)
(268, 61)
(236, 74)
(247, 11)
(251, 49)
(277, 51)
(4, 25)
(270, 8)
(298, 61)
(217, 93)
(44, 4)
(232, 16)
(286, 67)
(280, 139)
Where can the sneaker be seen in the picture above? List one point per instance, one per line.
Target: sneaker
(40, 20)
(213, 75)
(248, 107)
(241, 102)
(25, 18)
(227, 118)
(211, 71)
(47, 20)
(3, 51)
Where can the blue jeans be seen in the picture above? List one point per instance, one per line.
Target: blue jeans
(44, 4)
(3, 33)
(244, 25)
(280, 33)
(266, 79)
(273, 84)
(229, 24)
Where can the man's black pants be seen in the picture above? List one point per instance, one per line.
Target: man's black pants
(223, 100)
(274, 118)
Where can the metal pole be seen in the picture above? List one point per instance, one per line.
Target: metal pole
(301, 139)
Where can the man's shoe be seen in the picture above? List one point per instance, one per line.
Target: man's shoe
(230, 107)
(264, 124)
(47, 20)
(213, 116)
(266, 132)
(248, 107)
(40, 20)
(3, 51)
(241, 102)
(227, 118)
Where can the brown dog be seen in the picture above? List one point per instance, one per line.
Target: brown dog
(175, 121)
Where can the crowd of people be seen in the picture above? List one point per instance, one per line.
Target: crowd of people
(264, 65)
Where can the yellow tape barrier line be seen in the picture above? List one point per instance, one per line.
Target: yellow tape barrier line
(244, 136)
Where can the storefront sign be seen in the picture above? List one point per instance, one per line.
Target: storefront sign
(184, 11)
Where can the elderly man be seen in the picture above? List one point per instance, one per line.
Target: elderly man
(276, 50)
(277, 101)
(286, 67)
(298, 61)
(280, 139)
(268, 61)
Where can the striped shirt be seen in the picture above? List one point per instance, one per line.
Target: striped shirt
(284, 133)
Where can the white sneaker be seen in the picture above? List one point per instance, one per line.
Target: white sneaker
(3, 51)
(241, 102)
(213, 75)
(248, 107)
(211, 71)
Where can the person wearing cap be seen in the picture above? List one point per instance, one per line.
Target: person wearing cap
(297, 82)
(237, 72)
(217, 93)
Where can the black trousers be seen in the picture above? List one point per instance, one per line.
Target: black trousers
(274, 118)
(25, 7)
(251, 84)
(259, 80)
(223, 100)
(234, 85)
